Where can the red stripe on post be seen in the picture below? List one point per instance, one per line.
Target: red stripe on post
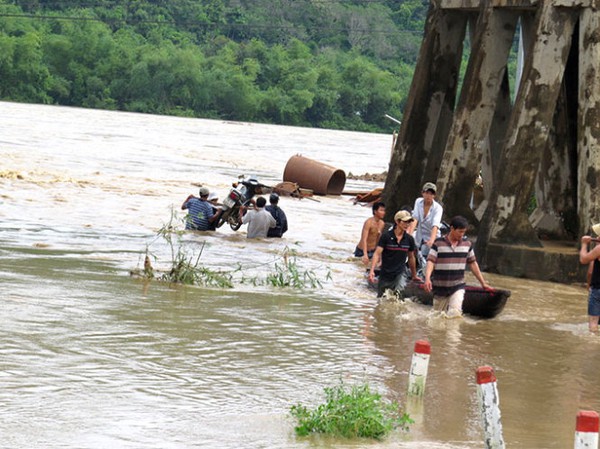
(485, 375)
(422, 347)
(588, 421)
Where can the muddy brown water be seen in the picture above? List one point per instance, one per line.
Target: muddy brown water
(91, 357)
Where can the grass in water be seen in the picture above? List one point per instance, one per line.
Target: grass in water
(350, 412)
(185, 267)
(185, 270)
(289, 275)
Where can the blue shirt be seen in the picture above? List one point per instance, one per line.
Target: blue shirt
(199, 212)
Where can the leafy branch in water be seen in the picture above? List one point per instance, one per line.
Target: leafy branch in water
(354, 412)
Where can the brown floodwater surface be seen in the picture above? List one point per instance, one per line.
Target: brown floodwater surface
(91, 357)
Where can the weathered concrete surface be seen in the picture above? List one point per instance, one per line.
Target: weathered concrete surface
(589, 120)
(555, 261)
(556, 215)
(429, 108)
(468, 138)
(547, 144)
(506, 219)
(491, 156)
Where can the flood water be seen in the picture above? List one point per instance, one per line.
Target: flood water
(91, 357)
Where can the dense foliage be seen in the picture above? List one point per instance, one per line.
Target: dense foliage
(323, 63)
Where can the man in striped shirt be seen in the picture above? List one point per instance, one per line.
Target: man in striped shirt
(446, 264)
(200, 212)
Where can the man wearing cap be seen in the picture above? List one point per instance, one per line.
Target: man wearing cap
(428, 214)
(591, 257)
(279, 215)
(200, 212)
(395, 246)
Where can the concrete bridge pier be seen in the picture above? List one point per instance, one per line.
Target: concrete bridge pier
(429, 108)
(469, 136)
(543, 148)
(588, 181)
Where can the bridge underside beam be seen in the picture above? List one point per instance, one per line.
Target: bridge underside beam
(515, 5)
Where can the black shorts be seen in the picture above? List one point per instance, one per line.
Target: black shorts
(359, 253)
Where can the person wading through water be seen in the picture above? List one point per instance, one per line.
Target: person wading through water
(394, 248)
(371, 232)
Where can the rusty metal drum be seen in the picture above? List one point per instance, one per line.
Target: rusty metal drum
(321, 178)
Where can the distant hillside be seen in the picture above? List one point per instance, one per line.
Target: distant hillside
(319, 63)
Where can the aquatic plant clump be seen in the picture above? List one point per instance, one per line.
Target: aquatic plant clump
(289, 275)
(185, 267)
(185, 271)
(350, 412)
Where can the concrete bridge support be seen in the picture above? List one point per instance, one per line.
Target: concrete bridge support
(469, 137)
(506, 219)
(588, 181)
(543, 150)
(430, 106)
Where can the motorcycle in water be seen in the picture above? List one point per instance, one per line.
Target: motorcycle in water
(240, 195)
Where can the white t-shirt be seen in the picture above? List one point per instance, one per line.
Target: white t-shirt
(426, 223)
(259, 221)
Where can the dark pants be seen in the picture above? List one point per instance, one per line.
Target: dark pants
(396, 283)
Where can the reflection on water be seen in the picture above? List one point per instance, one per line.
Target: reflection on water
(93, 358)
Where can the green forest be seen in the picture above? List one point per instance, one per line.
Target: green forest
(319, 63)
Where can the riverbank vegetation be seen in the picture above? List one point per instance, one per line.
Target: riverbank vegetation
(350, 412)
(327, 63)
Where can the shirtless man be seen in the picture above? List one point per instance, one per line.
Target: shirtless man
(371, 231)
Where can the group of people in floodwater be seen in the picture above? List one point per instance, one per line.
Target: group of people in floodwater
(413, 248)
(262, 220)
(415, 244)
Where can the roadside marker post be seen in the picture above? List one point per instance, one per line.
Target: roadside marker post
(418, 368)
(487, 394)
(586, 430)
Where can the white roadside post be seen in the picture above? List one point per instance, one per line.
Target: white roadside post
(487, 393)
(418, 368)
(586, 430)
